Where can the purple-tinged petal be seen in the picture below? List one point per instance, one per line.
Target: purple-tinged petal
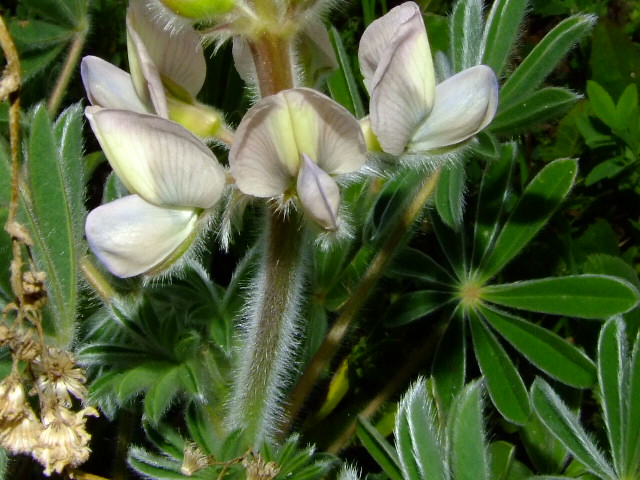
(131, 236)
(465, 104)
(319, 194)
(403, 88)
(379, 38)
(177, 55)
(158, 159)
(109, 87)
(144, 74)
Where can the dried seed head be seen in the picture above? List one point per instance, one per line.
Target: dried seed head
(194, 460)
(58, 376)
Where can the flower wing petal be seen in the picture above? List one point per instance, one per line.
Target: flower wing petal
(109, 87)
(158, 159)
(465, 104)
(131, 236)
(178, 55)
(403, 87)
(319, 194)
(379, 38)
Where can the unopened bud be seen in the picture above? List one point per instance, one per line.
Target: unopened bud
(199, 9)
(373, 145)
(201, 120)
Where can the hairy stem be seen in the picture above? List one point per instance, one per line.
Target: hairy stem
(271, 321)
(270, 332)
(348, 312)
(69, 67)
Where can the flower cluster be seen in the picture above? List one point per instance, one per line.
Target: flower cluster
(291, 148)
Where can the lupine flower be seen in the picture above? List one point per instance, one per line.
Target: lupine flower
(291, 145)
(168, 70)
(173, 178)
(408, 111)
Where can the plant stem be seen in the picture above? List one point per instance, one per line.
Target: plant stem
(373, 273)
(270, 332)
(69, 67)
(271, 322)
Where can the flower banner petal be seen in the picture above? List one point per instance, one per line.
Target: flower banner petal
(319, 194)
(465, 104)
(403, 87)
(131, 236)
(178, 55)
(378, 38)
(158, 159)
(109, 87)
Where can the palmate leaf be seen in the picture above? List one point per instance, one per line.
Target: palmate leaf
(466, 29)
(565, 426)
(632, 446)
(539, 201)
(379, 449)
(449, 363)
(501, 31)
(415, 305)
(503, 382)
(582, 296)
(421, 450)
(53, 199)
(543, 348)
(543, 59)
(465, 427)
(449, 195)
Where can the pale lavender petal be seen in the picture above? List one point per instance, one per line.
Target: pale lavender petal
(319, 194)
(158, 159)
(403, 87)
(109, 87)
(465, 104)
(264, 159)
(131, 236)
(315, 52)
(243, 60)
(178, 55)
(379, 38)
(265, 155)
(340, 142)
(145, 75)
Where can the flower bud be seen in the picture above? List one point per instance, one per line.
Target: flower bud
(199, 9)
(201, 120)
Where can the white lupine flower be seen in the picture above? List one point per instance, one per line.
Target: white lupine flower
(164, 66)
(293, 143)
(173, 178)
(408, 111)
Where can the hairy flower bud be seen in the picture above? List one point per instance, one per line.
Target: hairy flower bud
(199, 9)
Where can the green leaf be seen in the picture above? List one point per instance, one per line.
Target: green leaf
(452, 245)
(543, 348)
(379, 449)
(36, 34)
(566, 427)
(138, 379)
(5, 240)
(466, 29)
(501, 457)
(613, 370)
(544, 58)
(449, 195)
(154, 466)
(632, 447)
(51, 220)
(161, 394)
(533, 109)
(582, 296)
(342, 83)
(449, 363)
(540, 199)
(415, 264)
(503, 382)
(603, 105)
(605, 170)
(35, 61)
(546, 453)
(418, 436)
(415, 305)
(467, 437)
(69, 12)
(501, 32)
(494, 192)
